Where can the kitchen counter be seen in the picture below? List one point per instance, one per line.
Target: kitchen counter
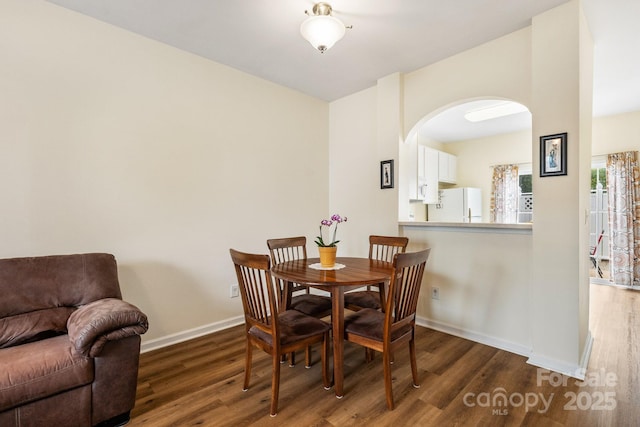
(470, 226)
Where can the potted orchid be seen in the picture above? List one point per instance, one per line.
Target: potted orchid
(328, 250)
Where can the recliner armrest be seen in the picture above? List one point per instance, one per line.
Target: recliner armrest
(92, 325)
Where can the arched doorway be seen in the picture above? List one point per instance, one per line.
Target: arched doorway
(480, 133)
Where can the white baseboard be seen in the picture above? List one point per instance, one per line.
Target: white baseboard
(586, 354)
(575, 371)
(190, 334)
(578, 371)
(475, 336)
(438, 326)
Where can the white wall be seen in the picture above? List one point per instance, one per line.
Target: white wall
(112, 142)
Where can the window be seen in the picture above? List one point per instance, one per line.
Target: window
(599, 222)
(598, 176)
(525, 202)
(525, 183)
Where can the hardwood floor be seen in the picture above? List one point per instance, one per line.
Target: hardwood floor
(200, 382)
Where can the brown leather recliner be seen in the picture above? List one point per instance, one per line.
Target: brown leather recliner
(69, 345)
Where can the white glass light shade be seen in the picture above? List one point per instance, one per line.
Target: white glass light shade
(322, 31)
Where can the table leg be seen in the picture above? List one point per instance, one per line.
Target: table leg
(337, 321)
(286, 294)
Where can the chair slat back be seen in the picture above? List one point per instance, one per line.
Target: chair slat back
(384, 248)
(287, 249)
(256, 289)
(402, 300)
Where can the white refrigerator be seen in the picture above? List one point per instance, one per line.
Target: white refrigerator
(457, 205)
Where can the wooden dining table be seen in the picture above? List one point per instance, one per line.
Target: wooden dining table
(356, 272)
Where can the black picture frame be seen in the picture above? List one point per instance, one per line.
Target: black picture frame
(553, 155)
(386, 174)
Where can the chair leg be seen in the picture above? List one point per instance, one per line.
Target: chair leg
(247, 367)
(275, 384)
(307, 357)
(386, 360)
(414, 365)
(326, 381)
(382, 289)
(369, 355)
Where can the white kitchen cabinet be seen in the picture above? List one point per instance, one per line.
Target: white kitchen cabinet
(429, 166)
(427, 190)
(447, 167)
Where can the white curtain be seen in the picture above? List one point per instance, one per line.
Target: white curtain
(505, 190)
(623, 188)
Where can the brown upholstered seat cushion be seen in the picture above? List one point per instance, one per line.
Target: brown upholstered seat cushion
(363, 299)
(32, 326)
(294, 326)
(45, 368)
(369, 323)
(311, 304)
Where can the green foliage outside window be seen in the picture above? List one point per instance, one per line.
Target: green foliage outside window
(525, 184)
(598, 175)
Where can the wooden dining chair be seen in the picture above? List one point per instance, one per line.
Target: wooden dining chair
(270, 327)
(292, 248)
(381, 248)
(388, 330)
(299, 297)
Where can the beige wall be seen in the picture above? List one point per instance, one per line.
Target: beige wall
(482, 277)
(365, 130)
(353, 135)
(497, 69)
(504, 68)
(112, 142)
(562, 53)
(477, 157)
(456, 263)
(613, 134)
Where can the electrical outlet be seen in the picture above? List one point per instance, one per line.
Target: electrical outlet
(435, 293)
(234, 291)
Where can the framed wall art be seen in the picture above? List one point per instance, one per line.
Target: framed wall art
(386, 174)
(553, 155)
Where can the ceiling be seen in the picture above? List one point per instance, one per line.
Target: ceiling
(263, 39)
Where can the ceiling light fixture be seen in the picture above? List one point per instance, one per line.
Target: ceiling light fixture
(321, 29)
(494, 111)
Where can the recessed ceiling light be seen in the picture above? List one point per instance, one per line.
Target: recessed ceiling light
(502, 109)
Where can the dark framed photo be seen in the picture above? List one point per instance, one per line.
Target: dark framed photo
(386, 174)
(553, 155)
